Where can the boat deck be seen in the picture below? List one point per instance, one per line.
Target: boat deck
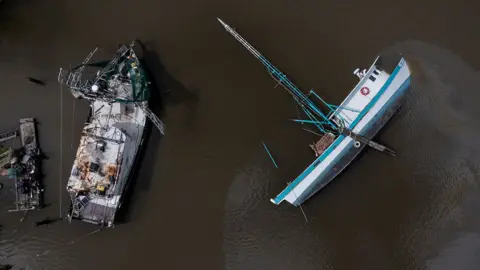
(368, 87)
(112, 135)
(102, 164)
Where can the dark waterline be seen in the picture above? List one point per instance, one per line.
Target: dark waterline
(201, 197)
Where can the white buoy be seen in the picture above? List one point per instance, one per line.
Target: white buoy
(94, 88)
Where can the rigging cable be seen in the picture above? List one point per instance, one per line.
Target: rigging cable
(301, 209)
(61, 152)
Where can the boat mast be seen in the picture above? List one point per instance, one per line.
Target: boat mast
(306, 104)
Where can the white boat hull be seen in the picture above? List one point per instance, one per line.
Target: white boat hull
(342, 151)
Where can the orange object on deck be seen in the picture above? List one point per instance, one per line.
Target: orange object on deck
(322, 144)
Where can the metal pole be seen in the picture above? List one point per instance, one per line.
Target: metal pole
(301, 209)
(270, 155)
(372, 144)
(61, 153)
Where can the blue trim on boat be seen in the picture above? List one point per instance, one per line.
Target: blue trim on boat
(297, 93)
(280, 197)
(374, 120)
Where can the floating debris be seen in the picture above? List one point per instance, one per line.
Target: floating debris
(270, 155)
(36, 81)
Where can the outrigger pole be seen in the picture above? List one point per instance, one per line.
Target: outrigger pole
(305, 103)
(270, 155)
(316, 116)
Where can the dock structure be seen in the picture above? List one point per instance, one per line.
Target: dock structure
(6, 151)
(7, 136)
(25, 169)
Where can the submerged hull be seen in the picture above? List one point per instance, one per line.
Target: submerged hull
(343, 151)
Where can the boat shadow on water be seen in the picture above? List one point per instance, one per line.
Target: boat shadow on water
(167, 88)
(165, 91)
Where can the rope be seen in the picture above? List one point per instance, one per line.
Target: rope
(61, 152)
(83, 236)
(301, 209)
(296, 108)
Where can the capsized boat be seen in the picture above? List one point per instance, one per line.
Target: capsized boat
(112, 136)
(346, 128)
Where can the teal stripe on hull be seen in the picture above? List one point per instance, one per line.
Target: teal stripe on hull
(321, 181)
(280, 197)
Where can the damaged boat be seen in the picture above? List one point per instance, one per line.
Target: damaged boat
(346, 128)
(113, 134)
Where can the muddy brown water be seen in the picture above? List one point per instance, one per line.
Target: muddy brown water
(201, 196)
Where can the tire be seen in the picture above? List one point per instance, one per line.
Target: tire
(356, 144)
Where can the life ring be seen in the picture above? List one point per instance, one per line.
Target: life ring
(365, 91)
(357, 144)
